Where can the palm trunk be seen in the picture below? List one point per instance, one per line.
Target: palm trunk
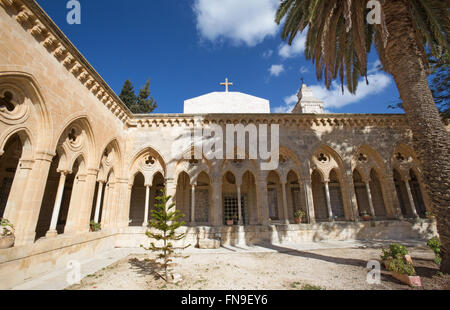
(430, 139)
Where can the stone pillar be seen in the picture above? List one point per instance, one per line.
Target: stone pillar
(57, 206)
(263, 213)
(126, 210)
(306, 180)
(352, 196)
(369, 197)
(193, 204)
(410, 198)
(285, 206)
(327, 195)
(390, 196)
(238, 194)
(171, 189)
(25, 216)
(217, 218)
(99, 201)
(85, 194)
(146, 207)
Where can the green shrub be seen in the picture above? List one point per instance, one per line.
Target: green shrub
(95, 226)
(7, 229)
(398, 265)
(394, 251)
(299, 214)
(435, 244)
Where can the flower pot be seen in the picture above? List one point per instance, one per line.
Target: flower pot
(366, 217)
(409, 280)
(298, 220)
(7, 242)
(230, 222)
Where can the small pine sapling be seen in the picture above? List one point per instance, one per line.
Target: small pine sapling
(165, 222)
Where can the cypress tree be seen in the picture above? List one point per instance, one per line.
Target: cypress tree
(127, 95)
(145, 103)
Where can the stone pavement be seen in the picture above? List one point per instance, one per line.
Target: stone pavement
(57, 280)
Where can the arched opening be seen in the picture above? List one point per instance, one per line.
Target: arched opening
(230, 203)
(417, 194)
(296, 195)
(274, 196)
(183, 196)
(377, 195)
(157, 189)
(137, 204)
(319, 197)
(9, 163)
(202, 199)
(402, 194)
(336, 202)
(361, 193)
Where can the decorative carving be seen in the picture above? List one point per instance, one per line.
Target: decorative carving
(149, 160)
(362, 158)
(322, 158)
(6, 101)
(400, 157)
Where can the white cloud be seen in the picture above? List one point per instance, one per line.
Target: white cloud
(334, 98)
(249, 21)
(276, 70)
(297, 48)
(303, 69)
(267, 54)
(289, 104)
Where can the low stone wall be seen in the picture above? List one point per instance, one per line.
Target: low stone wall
(19, 264)
(22, 263)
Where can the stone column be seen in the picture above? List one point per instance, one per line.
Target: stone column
(410, 198)
(264, 205)
(239, 200)
(327, 196)
(146, 207)
(126, 210)
(285, 206)
(80, 211)
(390, 196)
(25, 216)
(217, 219)
(57, 206)
(309, 199)
(171, 189)
(193, 204)
(369, 197)
(99, 201)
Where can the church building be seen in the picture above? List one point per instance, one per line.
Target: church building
(71, 153)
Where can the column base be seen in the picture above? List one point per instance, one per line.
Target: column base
(51, 233)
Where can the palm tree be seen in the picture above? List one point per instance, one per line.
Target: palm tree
(339, 37)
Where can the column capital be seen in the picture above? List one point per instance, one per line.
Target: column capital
(65, 172)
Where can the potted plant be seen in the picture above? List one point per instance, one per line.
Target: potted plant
(366, 216)
(394, 251)
(404, 272)
(95, 226)
(299, 215)
(6, 234)
(430, 215)
(230, 221)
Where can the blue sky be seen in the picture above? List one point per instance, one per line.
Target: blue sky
(187, 47)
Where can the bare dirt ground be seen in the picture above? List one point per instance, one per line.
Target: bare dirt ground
(330, 269)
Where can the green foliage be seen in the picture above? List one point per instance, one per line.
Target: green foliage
(141, 104)
(400, 266)
(165, 223)
(299, 214)
(435, 244)
(95, 226)
(395, 251)
(339, 38)
(7, 229)
(309, 287)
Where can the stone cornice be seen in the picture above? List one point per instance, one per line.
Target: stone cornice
(285, 120)
(33, 19)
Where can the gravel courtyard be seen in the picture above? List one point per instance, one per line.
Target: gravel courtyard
(286, 269)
